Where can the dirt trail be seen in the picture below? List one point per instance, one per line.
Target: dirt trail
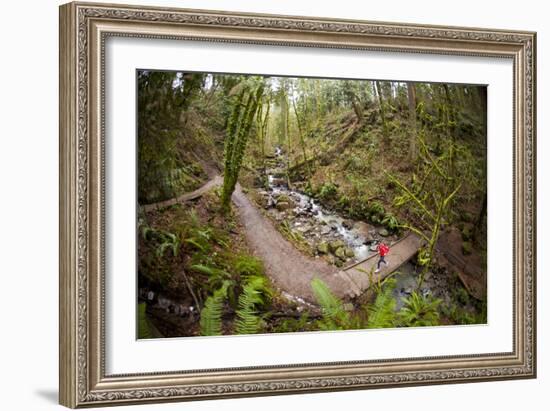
(290, 270)
(214, 182)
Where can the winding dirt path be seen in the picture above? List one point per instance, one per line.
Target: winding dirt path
(214, 182)
(289, 269)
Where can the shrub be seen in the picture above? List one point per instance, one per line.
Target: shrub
(343, 202)
(391, 222)
(246, 266)
(419, 311)
(328, 191)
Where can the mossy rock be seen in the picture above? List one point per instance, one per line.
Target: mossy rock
(283, 206)
(283, 198)
(341, 253)
(262, 201)
(383, 232)
(335, 245)
(322, 248)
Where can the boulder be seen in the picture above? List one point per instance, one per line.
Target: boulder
(325, 230)
(383, 232)
(283, 197)
(348, 224)
(304, 228)
(335, 245)
(278, 181)
(322, 248)
(283, 205)
(363, 229)
(341, 253)
(263, 201)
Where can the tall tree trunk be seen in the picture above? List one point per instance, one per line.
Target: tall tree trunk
(302, 141)
(357, 108)
(238, 131)
(411, 92)
(451, 112)
(382, 109)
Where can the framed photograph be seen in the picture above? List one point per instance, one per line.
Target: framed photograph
(260, 204)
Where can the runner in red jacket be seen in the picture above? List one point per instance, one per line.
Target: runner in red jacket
(383, 250)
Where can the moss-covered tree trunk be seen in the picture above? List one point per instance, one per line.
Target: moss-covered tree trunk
(382, 109)
(411, 94)
(238, 131)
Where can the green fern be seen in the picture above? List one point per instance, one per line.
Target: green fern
(419, 311)
(145, 231)
(247, 266)
(248, 321)
(211, 314)
(216, 276)
(382, 312)
(196, 244)
(391, 222)
(334, 315)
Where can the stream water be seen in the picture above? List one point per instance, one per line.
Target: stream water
(314, 222)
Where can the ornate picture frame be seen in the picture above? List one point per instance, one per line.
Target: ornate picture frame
(84, 28)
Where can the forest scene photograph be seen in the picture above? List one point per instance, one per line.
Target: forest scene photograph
(290, 204)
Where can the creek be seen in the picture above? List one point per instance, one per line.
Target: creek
(317, 224)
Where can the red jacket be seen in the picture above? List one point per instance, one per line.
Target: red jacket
(383, 249)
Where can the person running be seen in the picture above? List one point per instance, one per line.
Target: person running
(383, 250)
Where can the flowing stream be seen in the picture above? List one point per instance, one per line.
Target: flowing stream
(314, 222)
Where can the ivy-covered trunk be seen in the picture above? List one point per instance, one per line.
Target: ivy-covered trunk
(238, 131)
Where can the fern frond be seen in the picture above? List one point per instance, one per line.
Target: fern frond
(210, 271)
(382, 312)
(419, 311)
(145, 230)
(334, 315)
(246, 265)
(211, 314)
(248, 321)
(195, 243)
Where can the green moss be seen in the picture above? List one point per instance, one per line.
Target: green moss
(467, 248)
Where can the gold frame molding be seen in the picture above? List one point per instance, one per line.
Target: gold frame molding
(84, 28)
